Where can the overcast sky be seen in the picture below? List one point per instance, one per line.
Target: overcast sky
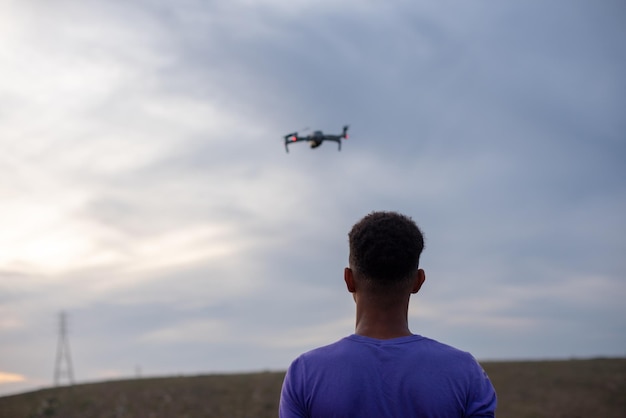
(146, 191)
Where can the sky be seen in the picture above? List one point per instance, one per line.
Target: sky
(146, 191)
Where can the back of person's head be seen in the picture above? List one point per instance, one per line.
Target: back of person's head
(385, 248)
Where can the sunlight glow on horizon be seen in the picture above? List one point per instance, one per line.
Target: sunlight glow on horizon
(11, 378)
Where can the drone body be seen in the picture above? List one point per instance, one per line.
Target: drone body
(316, 138)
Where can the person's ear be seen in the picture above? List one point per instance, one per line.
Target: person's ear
(348, 277)
(420, 278)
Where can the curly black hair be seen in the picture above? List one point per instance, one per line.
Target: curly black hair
(385, 247)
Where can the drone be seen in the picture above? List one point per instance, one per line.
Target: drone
(316, 138)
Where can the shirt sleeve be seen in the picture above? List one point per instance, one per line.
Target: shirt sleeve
(291, 395)
(483, 400)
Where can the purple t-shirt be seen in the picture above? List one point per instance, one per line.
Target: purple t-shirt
(361, 377)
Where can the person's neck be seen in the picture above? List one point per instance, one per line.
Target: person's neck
(382, 324)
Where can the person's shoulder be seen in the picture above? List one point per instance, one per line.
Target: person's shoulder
(324, 349)
(314, 355)
(440, 349)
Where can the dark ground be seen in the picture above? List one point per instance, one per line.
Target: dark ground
(555, 389)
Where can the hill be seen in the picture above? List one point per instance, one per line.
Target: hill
(573, 388)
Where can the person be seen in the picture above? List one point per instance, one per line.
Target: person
(383, 369)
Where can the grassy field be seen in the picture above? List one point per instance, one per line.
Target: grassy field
(555, 389)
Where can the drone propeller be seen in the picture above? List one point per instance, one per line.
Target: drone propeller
(345, 131)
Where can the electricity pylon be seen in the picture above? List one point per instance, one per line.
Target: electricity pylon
(63, 366)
